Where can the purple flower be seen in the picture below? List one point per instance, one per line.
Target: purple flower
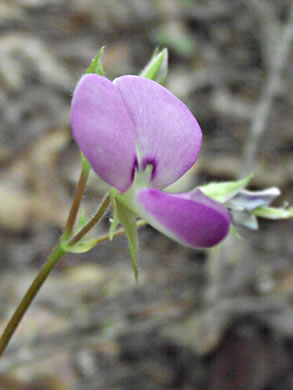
(139, 138)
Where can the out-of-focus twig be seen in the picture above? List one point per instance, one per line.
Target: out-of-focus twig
(268, 28)
(269, 92)
(220, 259)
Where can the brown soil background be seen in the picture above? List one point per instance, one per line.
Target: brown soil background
(219, 319)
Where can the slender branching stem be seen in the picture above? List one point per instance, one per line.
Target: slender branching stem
(76, 201)
(119, 232)
(52, 261)
(29, 296)
(93, 221)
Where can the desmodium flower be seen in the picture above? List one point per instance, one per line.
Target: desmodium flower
(139, 138)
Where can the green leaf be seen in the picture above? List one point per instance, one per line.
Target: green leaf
(234, 231)
(115, 220)
(128, 221)
(225, 190)
(273, 212)
(157, 68)
(81, 246)
(96, 64)
(82, 220)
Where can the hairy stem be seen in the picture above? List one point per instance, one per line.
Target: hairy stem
(77, 199)
(119, 232)
(93, 221)
(41, 278)
(29, 296)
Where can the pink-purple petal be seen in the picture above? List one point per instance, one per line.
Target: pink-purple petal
(191, 218)
(102, 128)
(168, 136)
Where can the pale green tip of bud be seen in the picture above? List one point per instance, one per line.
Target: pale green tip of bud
(96, 64)
(157, 68)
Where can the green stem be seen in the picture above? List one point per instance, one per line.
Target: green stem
(29, 296)
(77, 199)
(93, 221)
(119, 232)
(53, 260)
(44, 273)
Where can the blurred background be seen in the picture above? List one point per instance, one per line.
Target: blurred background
(208, 320)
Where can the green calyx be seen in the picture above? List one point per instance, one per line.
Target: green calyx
(157, 68)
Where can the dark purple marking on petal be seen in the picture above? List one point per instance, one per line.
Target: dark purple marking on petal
(150, 161)
(134, 168)
(165, 129)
